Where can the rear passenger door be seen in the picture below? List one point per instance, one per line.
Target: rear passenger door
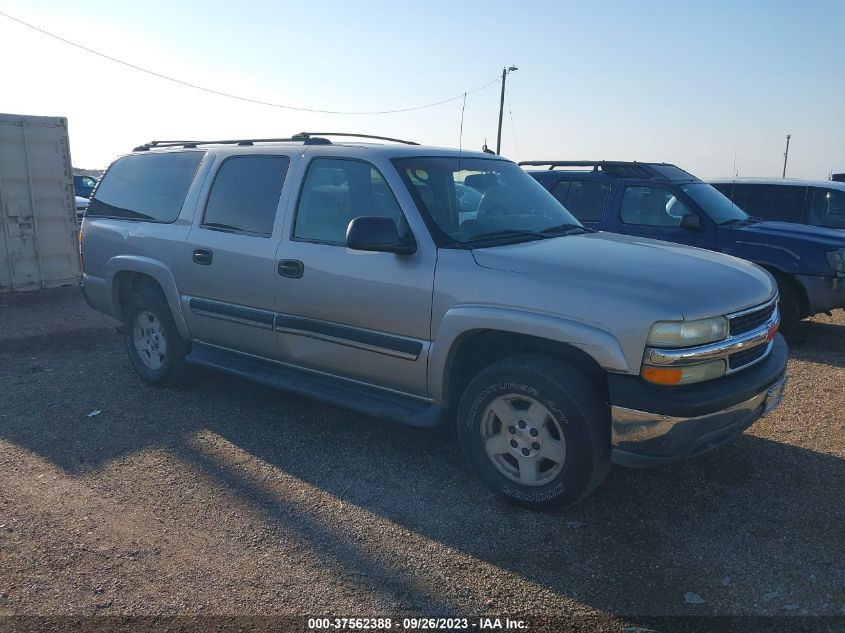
(585, 199)
(354, 314)
(230, 256)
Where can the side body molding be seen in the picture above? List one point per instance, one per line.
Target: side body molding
(156, 269)
(604, 348)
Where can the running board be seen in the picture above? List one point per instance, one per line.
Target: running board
(379, 403)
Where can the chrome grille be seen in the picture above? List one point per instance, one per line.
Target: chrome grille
(747, 356)
(747, 321)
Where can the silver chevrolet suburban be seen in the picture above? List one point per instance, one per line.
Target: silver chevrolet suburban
(432, 286)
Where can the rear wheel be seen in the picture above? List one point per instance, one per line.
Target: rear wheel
(155, 347)
(536, 431)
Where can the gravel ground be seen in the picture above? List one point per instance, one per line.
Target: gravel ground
(227, 498)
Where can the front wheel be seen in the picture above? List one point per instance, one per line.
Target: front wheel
(789, 307)
(536, 431)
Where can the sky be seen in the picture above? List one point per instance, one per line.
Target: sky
(713, 87)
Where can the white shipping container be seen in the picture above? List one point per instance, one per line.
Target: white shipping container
(39, 234)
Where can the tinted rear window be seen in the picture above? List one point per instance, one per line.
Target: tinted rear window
(828, 207)
(245, 194)
(148, 187)
(585, 199)
(770, 202)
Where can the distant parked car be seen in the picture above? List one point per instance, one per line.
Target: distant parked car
(83, 186)
(665, 202)
(820, 203)
(81, 207)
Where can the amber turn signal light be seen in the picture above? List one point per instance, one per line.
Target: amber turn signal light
(663, 375)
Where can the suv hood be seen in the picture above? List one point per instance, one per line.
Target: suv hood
(785, 231)
(693, 282)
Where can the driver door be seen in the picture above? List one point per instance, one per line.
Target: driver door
(354, 314)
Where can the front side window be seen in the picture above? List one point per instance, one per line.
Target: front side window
(150, 187)
(335, 192)
(771, 202)
(828, 207)
(245, 194)
(585, 199)
(473, 200)
(652, 206)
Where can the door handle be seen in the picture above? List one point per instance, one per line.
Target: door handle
(203, 256)
(292, 268)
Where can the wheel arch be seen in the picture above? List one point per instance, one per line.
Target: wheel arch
(782, 276)
(126, 274)
(468, 341)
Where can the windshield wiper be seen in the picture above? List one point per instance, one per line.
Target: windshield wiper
(481, 237)
(567, 229)
(741, 222)
(552, 231)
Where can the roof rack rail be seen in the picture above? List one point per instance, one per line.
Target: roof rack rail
(309, 135)
(308, 140)
(625, 168)
(579, 163)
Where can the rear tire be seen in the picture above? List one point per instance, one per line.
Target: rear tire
(536, 431)
(155, 347)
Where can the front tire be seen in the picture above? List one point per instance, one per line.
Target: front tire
(155, 347)
(536, 431)
(789, 307)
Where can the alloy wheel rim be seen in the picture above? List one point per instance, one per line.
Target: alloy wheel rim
(523, 440)
(150, 342)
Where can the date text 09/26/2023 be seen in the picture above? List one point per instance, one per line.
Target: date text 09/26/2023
(417, 624)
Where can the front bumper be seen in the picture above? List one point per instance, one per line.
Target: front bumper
(654, 425)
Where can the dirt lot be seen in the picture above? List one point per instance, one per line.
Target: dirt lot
(224, 497)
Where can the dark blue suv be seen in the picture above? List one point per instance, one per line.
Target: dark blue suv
(662, 201)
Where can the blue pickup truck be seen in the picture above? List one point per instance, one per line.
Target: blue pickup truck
(662, 201)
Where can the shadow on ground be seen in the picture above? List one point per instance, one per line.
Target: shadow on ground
(716, 525)
(819, 342)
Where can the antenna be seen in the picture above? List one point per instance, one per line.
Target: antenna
(786, 154)
(461, 134)
(460, 150)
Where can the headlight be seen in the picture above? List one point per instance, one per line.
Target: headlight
(837, 261)
(687, 333)
(685, 374)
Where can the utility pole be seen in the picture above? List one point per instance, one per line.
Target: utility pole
(786, 154)
(505, 72)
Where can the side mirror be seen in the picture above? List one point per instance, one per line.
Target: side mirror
(690, 222)
(378, 234)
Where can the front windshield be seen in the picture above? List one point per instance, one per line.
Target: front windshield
(472, 200)
(720, 209)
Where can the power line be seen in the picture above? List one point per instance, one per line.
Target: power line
(220, 93)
